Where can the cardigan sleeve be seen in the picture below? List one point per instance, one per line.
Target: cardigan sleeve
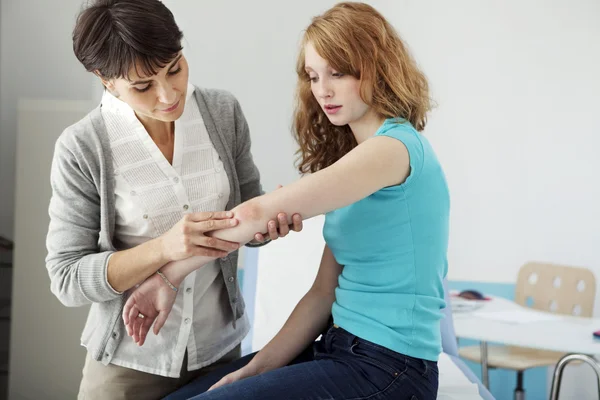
(77, 269)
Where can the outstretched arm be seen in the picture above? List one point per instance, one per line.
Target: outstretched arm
(377, 163)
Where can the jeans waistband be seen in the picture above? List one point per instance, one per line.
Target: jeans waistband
(343, 338)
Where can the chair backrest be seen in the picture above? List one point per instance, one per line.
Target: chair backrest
(556, 288)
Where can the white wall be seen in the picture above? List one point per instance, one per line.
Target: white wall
(37, 62)
(46, 357)
(286, 270)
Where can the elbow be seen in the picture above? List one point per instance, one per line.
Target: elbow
(78, 280)
(66, 299)
(325, 295)
(62, 287)
(249, 212)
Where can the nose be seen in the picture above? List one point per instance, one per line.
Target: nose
(323, 89)
(166, 94)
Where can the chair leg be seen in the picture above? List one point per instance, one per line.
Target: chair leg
(519, 391)
(483, 351)
(562, 363)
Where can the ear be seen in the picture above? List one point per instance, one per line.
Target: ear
(108, 84)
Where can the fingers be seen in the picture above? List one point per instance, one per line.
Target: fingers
(133, 312)
(206, 252)
(272, 230)
(215, 386)
(126, 311)
(259, 237)
(144, 329)
(284, 228)
(281, 227)
(233, 377)
(297, 222)
(137, 323)
(216, 244)
(224, 381)
(205, 216)
(215, 224)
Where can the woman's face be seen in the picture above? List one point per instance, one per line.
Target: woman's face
(160, 97)
(337, 94)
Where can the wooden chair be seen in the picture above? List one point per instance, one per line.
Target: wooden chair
(546, 287)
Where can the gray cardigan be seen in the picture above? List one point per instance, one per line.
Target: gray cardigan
(82, 214)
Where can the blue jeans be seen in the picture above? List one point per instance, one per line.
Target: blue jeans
(339, 366)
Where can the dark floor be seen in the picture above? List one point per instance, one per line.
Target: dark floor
(5, 296)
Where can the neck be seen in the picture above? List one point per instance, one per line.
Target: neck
(366, 127)
(159, 131)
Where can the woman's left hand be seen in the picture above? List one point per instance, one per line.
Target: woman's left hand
(244, 372)
(280, 228)
(151, 302)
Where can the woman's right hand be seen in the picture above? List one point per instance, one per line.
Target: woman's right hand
(149, 303)
(187, 237)
(244, 372)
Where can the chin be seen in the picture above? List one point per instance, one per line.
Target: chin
(337, 121)
(165, 118)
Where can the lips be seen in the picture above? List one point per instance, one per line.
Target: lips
(172, 108)
(331, 108)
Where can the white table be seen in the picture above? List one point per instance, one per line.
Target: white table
(571, 335)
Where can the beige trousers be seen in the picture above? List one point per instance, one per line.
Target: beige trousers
(113, 382)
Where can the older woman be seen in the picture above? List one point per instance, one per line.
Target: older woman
(137, 185)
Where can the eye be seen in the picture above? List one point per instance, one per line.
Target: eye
(337, 74)
(144, 89)
(313, 79)
(178, 70)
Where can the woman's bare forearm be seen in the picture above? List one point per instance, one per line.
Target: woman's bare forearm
(127, 268)
(253, 216)
(308, 319)
(304, 325)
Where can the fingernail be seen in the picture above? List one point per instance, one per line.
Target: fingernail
(229, 214)
(233, 221)
(272, 224)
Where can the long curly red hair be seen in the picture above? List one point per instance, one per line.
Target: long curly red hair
(356, 40)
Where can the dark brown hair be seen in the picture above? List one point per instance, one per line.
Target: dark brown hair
(356, 40)
(113, 36)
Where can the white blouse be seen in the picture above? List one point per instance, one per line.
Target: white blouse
(151, 196)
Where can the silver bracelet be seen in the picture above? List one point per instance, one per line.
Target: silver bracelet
(166, 280)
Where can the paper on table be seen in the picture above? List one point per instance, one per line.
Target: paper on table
(463, 305)
(516, 316)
